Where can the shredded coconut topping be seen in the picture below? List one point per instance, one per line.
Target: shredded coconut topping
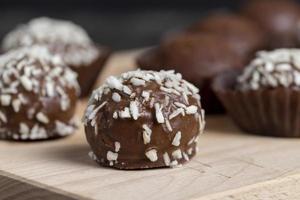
(25, 75)
(167, 79)
(164, 95)
(48, 31)
(277, 68)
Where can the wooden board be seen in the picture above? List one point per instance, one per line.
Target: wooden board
(230, 165)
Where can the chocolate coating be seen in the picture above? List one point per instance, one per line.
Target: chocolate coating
(243, 35)
(144, 119)
(198, 57)
(38, 94)
(68, 40)
(279, 19)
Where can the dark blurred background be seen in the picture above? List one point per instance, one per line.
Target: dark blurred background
(123, 24)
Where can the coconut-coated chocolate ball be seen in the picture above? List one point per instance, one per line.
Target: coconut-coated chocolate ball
(68, 40)
(273, 69)
(279, 19)
(37, 95)
(144, 119)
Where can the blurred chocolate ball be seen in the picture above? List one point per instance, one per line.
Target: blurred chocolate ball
(38, 95)
(243, 35)
(279, 19)
(66, 39)
(198, 57)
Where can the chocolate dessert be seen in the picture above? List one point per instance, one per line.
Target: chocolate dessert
(66, 39)
(37, 95)
(144, 119)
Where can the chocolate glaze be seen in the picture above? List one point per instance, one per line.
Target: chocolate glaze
(279, 19)
(104, 129)
(37, 95)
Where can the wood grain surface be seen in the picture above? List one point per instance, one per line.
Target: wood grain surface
(230, 165)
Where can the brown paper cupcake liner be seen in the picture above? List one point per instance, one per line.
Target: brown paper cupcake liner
(270, 112)
(87, 75)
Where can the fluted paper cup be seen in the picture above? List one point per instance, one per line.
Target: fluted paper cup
(270, 112)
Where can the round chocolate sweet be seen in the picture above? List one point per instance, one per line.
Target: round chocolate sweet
(278, 68)
(243, 35)
(38, 94)
(264, 98)
(68, 40)
(144, 119)
(198, 57)
(279, 19)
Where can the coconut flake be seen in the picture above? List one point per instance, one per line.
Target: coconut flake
(146, 134)
(158, 113)
(117, 146)
(42, 118)
(152, 155)
(146, 95)
(176, 113)
(125, 113)
(24, 129)
(167, 159)
(16, 105)
(134, 110)
(111, 156)
(116, 97)
(5, 99)
(177, 154)
(177, 138)
(114, 83)
(137, 81)
(27, 83)
(127, 90)
(169, 127)
(115, 115)
(180, 105)
(191, 109)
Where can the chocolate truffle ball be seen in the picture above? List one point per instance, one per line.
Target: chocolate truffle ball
(144, 119)
(198, 57)
(264, 99)
(243, 35)
(37, 95)
(278, 19)
(68, 40)
(278, 68)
